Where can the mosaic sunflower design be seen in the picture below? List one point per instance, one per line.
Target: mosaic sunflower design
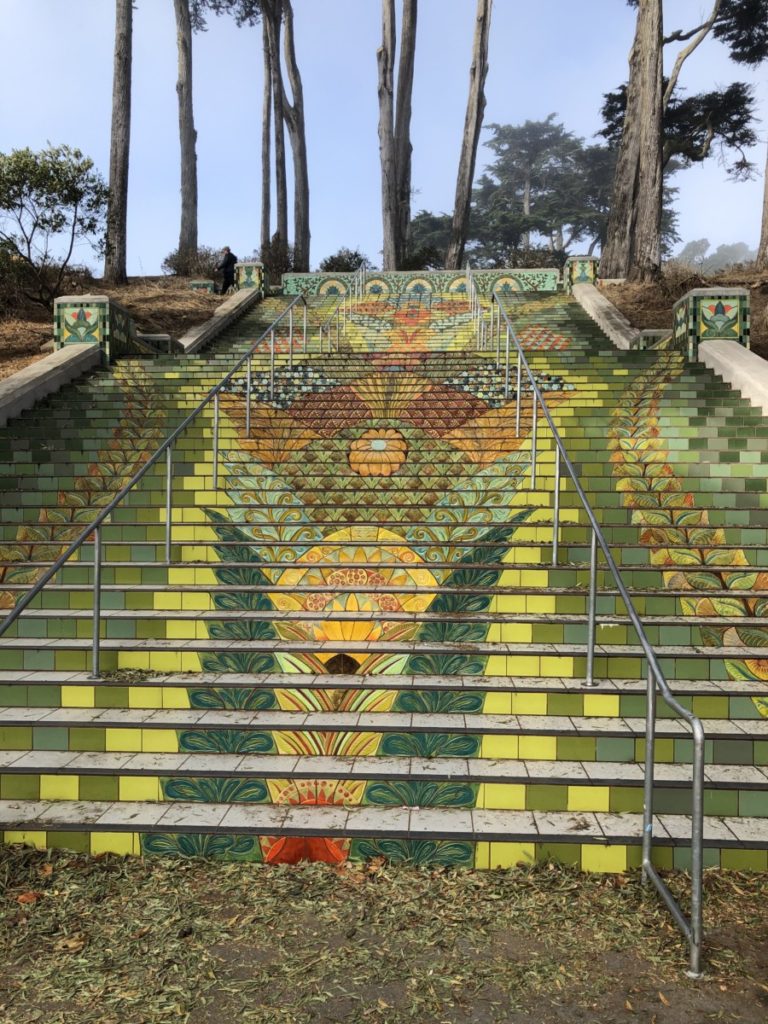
(378, 452)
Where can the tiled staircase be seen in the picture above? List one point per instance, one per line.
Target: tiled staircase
(361, 646)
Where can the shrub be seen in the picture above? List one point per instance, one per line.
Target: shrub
(200, 264)
(345, 261)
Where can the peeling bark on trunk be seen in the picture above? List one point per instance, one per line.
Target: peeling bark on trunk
(472, 124)
(266, 144)
(119, 147)
(633, 237)
(385, 60)
(645, 262)
(272, 14)
(187, 134)
(294, 119)
(762, 249)
(403, 147)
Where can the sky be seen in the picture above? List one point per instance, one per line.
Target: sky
(551, 56)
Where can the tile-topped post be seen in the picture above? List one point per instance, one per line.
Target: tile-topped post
(94, 320)
(711, 314)
(249, 274)
(580, 270)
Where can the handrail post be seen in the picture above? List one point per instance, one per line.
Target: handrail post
(290, 338)
(248, 398)
(519, 392)
(496, 329)
(535, 413)
(96, 649)
(216, 441)
(272, 365)
(556, 509)
(506, 367)
(650, 745)
(697, 853)
(591, 610)
(338, 326)
(304, 329)
(168, 502)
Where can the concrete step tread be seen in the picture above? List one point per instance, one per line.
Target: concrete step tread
(342, 646)
(387, 681)
(394, 822)
(438, 769)
(373, 721)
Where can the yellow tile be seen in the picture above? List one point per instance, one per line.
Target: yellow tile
(59, 787)
(482, 856)
(553, 667)
(175, 697)
(122, 843)
(163, 661)
(499, 747)
(123, 739)
(78, 696)
(538, 748)
(516, 632)
(589, 798)
(190, 663)
(509, 603)
(498, 704)
(539, 605)
(603, 858)
(145, 697)
(523, 665)
(496, 666)
(504, 796)
(137, 787)
(134, 660)
(29, 838)
(509, 855)
(165, 601)
(601, 705)
(195, 602)
(529, 703)
(159, 741)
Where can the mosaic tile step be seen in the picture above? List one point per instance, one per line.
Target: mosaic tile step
(623, 688)
(136, 723)
(495, 771)
(451, 824)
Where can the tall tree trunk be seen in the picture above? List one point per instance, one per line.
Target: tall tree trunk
(645, 262)
(266, 144)
(272, 14)
(187, 135)
(403, 147)
(762, 249)
(527, 208)
(472, 124)
(385, 57)
(638, 166)
(294, 119)
(119, 146)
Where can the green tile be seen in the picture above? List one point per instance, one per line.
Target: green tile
(99, 787)
(87, 739)
(77, 842)
(16, 737)
(576, 748)
(614, 749)
(54, 738)
(546, 798)
(744, 860)
(560, 853)
(20, 787)
(565, 704)
(626, 798)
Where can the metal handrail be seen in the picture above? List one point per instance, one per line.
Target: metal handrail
(358, 282)
(690, 927)
(166, 448)
(341, 311)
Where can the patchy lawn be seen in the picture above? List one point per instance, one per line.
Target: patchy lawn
(133, 941)
(650, 305)
(158, 305)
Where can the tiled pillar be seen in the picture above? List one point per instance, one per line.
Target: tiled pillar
(580, 270)
(711, 314)
(93, 320)
(250, 274)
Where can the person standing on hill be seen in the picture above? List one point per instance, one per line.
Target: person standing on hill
(227, 267)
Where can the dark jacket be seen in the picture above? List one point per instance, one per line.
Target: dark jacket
(228, 263)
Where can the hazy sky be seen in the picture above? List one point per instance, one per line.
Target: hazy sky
(548, 56)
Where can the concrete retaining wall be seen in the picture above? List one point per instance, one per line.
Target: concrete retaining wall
(21, 390)
(229, 311)
(607, 317)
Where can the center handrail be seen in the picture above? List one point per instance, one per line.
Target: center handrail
(166, 448)
(691, 928)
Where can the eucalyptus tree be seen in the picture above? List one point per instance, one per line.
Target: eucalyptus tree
(473, 122)
(119, 146)
(185, 20)
(658, 125)
(395, 147)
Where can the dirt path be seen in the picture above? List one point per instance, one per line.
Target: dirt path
(147, 942)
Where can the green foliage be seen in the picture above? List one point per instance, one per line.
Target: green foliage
(277, 258)
(50, 203)
(344, 261)
(696, 254)
(199, 264)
